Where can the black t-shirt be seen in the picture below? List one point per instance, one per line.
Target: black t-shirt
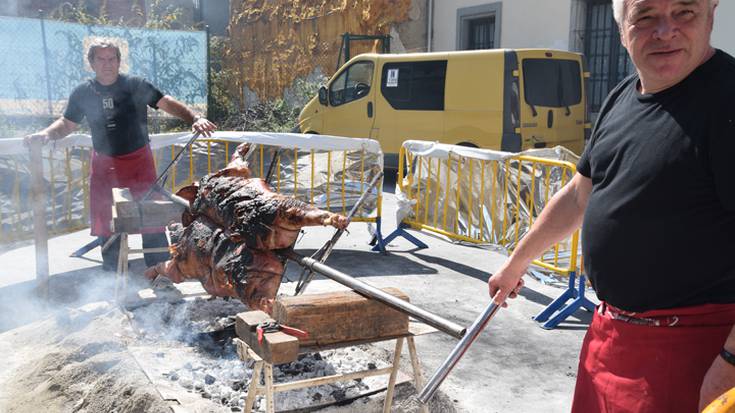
(659, 229)
(117, 113)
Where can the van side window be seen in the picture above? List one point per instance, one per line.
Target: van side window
(554, 83)
(414, 85)
(352, 84)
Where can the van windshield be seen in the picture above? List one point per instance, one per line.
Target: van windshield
(552, 83)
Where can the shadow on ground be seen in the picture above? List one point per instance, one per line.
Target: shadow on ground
(363, 264)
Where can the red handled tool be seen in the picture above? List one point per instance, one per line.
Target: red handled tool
(273, 326)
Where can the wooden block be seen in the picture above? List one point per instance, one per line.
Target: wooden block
(276, 348)
(122, 200)
(130, 216)
(246, 322)
(342, 316)
(129, 224)
(158, 213)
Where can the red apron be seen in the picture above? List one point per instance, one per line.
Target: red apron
(134, 170)
(651, 362)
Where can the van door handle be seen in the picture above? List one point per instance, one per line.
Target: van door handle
(550, 119)
(370, 109)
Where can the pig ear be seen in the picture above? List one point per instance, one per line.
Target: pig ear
(242, 149)
(189, 192)
(233, 169)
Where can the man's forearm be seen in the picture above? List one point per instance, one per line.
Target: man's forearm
(175, 108)
(58, 129)
(562, 215)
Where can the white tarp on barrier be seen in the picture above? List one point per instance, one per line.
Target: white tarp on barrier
(335, 185)
(463, 190)
(14, 146)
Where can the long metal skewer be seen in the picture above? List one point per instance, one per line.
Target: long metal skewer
(443, 371)
(368, 290)
(163, 177)
(323, 253)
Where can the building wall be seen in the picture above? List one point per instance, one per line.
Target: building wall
(723, 34)
(276, 42)
(523, 23)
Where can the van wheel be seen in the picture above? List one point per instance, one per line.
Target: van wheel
(468, 144)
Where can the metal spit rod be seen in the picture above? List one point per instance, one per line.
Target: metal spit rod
(385, 298)
(323, 253)
(443, 371)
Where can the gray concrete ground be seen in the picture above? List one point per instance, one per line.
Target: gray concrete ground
(513, 366)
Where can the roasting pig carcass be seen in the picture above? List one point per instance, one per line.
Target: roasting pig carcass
(225, 268)
(252, 213)
(231, 228)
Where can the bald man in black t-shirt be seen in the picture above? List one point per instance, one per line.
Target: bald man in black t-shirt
(654, 189)
(115, 106)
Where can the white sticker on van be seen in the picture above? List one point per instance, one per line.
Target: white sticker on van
(392, 78)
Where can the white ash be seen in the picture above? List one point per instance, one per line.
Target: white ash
(214, 371)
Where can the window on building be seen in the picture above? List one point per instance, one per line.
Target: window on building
(478, 27)
(607, 59)
(481, 33)
(414, 85)
(352, 84)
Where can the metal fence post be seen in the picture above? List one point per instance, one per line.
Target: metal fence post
(45, 63)
(156, 117)
(209, 72)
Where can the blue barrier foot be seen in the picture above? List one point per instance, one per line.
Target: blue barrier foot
(378, 241)
(565, 310)
(401, 231)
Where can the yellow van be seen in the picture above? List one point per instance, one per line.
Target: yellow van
(503, 99)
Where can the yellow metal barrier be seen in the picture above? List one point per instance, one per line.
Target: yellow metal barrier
(66, 172)
(294, 172)
(488, 197)
(494, 199)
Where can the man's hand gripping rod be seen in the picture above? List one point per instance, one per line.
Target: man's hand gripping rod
(323, 253)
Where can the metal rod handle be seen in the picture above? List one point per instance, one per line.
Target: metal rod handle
(443, 371)
(380, 295)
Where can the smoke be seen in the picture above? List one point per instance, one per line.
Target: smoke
(24, 303)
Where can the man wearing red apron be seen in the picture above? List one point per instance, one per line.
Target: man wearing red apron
(115, 106)
(654, 191)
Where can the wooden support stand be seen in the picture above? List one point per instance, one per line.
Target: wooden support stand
(40, 232)
(130, 216)
(269, 389)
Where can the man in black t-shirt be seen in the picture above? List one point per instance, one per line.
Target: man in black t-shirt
(655, 194)
(115, 106)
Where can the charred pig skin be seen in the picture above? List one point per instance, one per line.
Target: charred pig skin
(254, 214)
(226, 269)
